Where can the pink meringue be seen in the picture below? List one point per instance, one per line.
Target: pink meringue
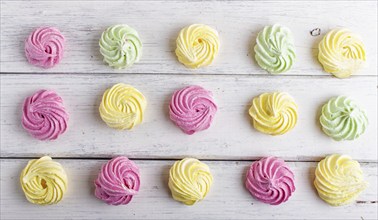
(270, 180)
(44, 47)
(44, 115)
(192, 109)
(118, 181)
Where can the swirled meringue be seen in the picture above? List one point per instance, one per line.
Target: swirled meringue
(189, 181)
(44, 47)
(341, 52)
(270, 180)
(192, 109)
(339, 179)
(342, 119)
(197, 45)
(118, 181)
(44, 116)
(43, 181)
(274, 113)
(122, 107)
(274, 49)
(120, 45)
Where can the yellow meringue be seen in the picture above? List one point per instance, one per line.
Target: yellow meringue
(189, 181)
(274, 113)
(339, 179)
(43, 181)
(341, 52)
(197, 45)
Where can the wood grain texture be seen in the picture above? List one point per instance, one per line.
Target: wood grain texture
(231, 136)
(158, 23)
(228, 198)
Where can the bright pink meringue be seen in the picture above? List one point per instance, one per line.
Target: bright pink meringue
(118, 181)
(270, 180)
(44, 47)
(192, 109)
(44, 115)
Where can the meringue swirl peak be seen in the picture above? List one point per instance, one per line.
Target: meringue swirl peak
(343, 119)
(192, 109)
(44, 116)
(270, 180)
(43, 181)
(341, 52)
(121, 46)
(274, 113)
(197, 45)
(274, 49)
(339, 179)
(122, 107)
(44, 47)
(118, 181)
(189, 181)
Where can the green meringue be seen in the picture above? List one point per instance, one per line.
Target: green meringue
(342, 119)
(274, 49)
(120, 45)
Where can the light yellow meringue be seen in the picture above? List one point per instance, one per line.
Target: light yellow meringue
(122, 107)
(274, 113)
(197, 45)
(189, 181)
(43, 181)
(339, 179)
(341, 52)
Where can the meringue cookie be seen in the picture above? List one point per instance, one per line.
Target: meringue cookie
(197, 45)
(192, 109)
(43, 181)
(118, 181)
(274, 49)
(270, 180)
(339, 179)
(120, 45)
(342, 119)
(189, 181)
(122, 107)
(44, 47)
(274, 113)
(341, 52)
(44, 116)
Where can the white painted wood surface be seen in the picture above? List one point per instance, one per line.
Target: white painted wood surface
(227, 199)
(231, 136)
(158, 23)
(234, 79)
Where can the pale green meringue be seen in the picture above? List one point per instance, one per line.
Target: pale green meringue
(274, 49)
(342, 119)
(120, 45)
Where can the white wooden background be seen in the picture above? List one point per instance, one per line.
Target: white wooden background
(228, 146)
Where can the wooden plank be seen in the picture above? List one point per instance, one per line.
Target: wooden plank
(228, 198)
(231, 135)
(159, 22)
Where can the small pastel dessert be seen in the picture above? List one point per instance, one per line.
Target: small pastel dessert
(342, 119)
(189, 181)
(44, 47)
(270, 180)
(44, 116)
(341, 52)
(197, 45)
(274, 113)
(192, 109)
(274, 49)
(118, 181)
(44, 181)
(120, 45)
(339, 180)
(122, 107)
